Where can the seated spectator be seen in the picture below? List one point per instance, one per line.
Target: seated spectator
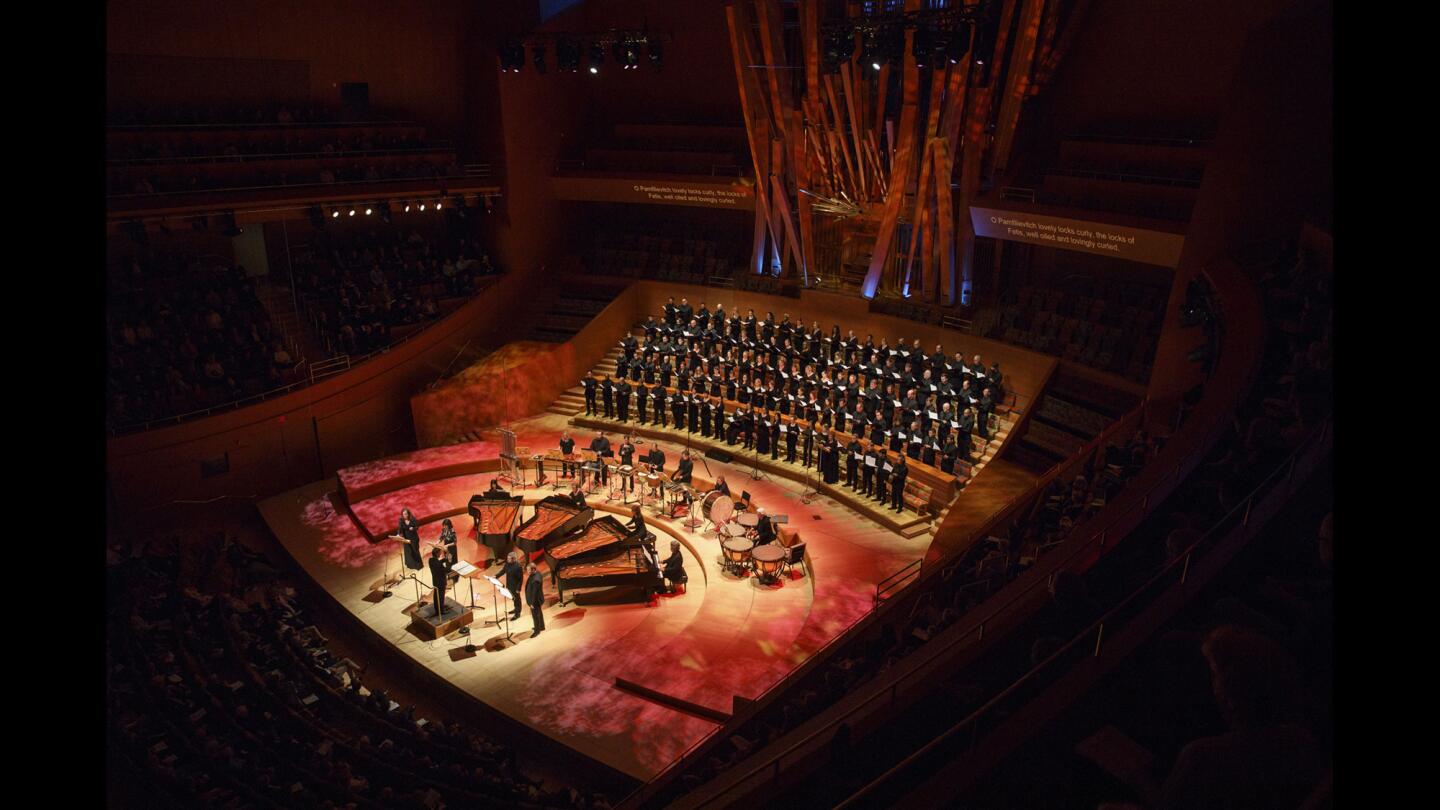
(1264, 761)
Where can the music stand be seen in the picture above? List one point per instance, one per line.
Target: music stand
(499, 590)
(467, 570)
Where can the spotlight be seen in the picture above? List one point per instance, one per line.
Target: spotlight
(538, 52)
(385, 213)
(567, 55)
(870, 50)
(422, 206)
(632, 57)
(335, 214)
(597, 55)
(657, 53)
(369, 211)
(437, 206)
(352, 212)
(407, 207)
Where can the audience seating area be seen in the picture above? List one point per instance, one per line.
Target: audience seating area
(670, 251)
(277, 150)
(1109, 325)
(223, 693)
(187, 332)
(363, 292)
(1150, 177)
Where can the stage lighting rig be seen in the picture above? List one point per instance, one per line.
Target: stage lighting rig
(597, 56)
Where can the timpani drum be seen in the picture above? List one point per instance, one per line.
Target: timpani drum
(733, 530)
(737, 553)
(717, 507)
(768, 559)
(748, 519)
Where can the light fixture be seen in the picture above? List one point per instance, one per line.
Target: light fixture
(407, 207)
(839, 48)
(437, 206)
(422, 206)
(352, 212)
(369, 211)
(538, 54)
(597, 56)
(657, 53)
(870, 50)
(335, 214)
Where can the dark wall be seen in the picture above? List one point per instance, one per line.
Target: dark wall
(247, 51)
(1272, 167)
(1154, 67)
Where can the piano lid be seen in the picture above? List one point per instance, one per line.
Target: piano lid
(601, 534)
(552, 513)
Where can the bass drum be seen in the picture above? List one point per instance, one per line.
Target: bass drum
(717, 507)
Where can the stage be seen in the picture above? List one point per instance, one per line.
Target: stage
(685, 661)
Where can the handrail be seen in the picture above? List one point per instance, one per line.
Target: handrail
(246, 157)
(1181, 562)
(896, 579)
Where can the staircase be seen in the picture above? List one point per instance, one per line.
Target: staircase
(572, 401)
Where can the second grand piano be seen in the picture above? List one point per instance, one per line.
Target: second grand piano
(555, 517)
(606, 554)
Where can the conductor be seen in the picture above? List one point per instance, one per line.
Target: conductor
(439, 574)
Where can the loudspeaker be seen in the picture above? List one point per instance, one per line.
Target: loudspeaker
(719, 455)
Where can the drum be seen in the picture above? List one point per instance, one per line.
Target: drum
(748, 519)
(623, 469)
(768, 559)
(734, 530)
(717, 507)
(653, 481)
(737, 554)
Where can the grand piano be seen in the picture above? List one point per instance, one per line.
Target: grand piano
(496, 513)
(555, 517)
(606, 554)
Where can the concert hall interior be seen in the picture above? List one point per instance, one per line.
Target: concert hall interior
(833, 403)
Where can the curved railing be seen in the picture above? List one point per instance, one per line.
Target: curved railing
(1092, 638)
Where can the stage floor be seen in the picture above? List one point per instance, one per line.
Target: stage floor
(724, 637)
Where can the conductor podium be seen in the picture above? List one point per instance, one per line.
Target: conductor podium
(427, 625)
